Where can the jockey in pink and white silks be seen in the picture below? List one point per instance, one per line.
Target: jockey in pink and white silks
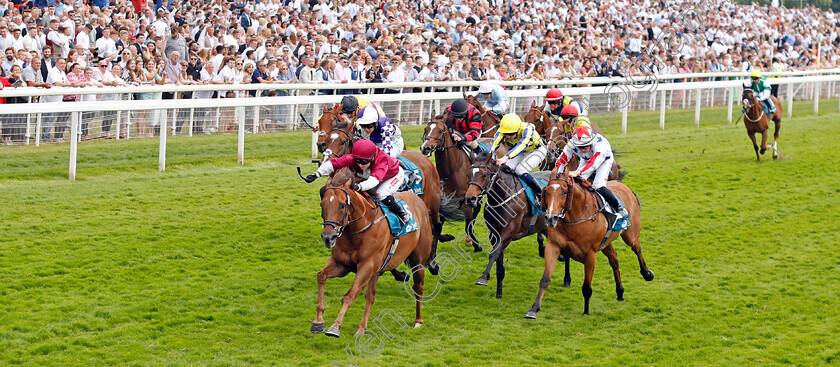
(595, 156)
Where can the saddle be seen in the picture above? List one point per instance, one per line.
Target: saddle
(613, 224)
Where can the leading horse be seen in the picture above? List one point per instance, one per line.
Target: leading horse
(577, 229)
(338, 142)
(360, 242)
(758, 121)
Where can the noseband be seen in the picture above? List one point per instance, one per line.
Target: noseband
(339, 226)
(347, 147)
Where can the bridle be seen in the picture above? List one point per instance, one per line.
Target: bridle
(441, 146)
(347, 147)
(340, 226)
(488, 183)
(752, 99)
(567, 205)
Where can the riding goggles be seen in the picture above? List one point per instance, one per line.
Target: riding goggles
(367, 126)
(361, 161)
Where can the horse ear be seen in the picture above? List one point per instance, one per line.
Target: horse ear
(433, 114)
(533, 104)
(327, 108)
(322, 192)
(543, 106)
(464, 94)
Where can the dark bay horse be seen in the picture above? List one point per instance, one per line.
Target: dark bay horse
(757, 121)
(489, 121)
(507, 212)
(577, 229)
(453, 164)
(339, 142)
(360, 241)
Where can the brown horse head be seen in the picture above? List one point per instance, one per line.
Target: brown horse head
(536, 115)
(339, 203)
(338, 141)
(435, 136)
(482, 175)
(749, 101)
(557, 197)
(326, 122)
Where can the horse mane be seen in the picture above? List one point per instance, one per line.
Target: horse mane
(341, 125)
(342, 176)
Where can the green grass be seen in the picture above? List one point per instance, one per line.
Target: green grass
(214, 264)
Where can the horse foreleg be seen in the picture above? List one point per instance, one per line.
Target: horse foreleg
(776, 137)
(609, 252)
(755, 145)
(331, 270)
(500, 272)
(363, 275)
(494, 255)
(370, 295)
(551, 254)
(567, 279)
(419, 277)
(588, 271)
(470, 215)
(764, 145)
(541, 248)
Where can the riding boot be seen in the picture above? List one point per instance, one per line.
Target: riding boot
(770, 105)
(612, 200)
(396, 208)
(478, 150)
(532, 183)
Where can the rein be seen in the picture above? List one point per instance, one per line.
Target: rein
(568, 204)
(442, 145)
(753, 103)
(340, 226)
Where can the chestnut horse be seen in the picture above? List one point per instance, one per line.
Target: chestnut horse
(339, 142)
(489, 121)
(507, 212)
(360, 241)
(453, 164)
(577, 229)
(757, 121)
(537, 116)
(326, 123)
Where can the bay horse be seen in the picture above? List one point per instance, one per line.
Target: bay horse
(339, 142)
(452, 163)
(757, 121)
(489, 121)
(360, 241)
(577, 229)
(537, 116)
(507, 212)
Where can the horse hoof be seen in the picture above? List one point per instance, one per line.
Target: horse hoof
(434, 269)
(477, 248)
(400, 276)
(567, 284)
(620, 299)
(481, 281)
(359, 333)
(498, 296)
(317, 328)
(333, 332)
(417, 325)
(648, 276)
(531, 315)
(446, 238)
(775, 156)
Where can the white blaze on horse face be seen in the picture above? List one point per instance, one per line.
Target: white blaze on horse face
(555, 186)
(334, 136)
(475, 171)
(332, 197)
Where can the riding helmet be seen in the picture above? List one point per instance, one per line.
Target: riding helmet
(554, 95)
(368, 115)
(510, 124)
(459, 108)
(349, 104)
(582, 136)
(364, 149)
(755, 73)
(568, 112)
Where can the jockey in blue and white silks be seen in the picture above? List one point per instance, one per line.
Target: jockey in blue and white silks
(497, 100)
(377, 127)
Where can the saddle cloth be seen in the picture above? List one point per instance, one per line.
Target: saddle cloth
(413, 177)
(397, 229)
(602, 205)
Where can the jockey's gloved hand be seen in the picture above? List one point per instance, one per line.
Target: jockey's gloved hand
(357, 187)
(310, 178)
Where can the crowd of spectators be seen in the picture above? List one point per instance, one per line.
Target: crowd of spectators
(80, 43)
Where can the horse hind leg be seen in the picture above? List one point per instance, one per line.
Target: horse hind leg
(632, 240)
(609, 252)
(500, 273)
(755, 145)
(776, 137)
(419, 277)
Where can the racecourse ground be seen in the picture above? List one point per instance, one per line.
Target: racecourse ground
(214, 264)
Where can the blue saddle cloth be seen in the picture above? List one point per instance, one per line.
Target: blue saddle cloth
(397, 229)
(482, 146)
(619, 224)
(532, 198)
(413, 177)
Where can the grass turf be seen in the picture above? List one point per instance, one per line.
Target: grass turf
(214, 264)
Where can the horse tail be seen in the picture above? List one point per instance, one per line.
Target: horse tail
(621, 174)
(451, 208)
(639, 202)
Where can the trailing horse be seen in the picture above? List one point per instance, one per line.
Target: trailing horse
(507, 212)
(489, 121)
(361, 242)
(578, 229)
(757, 120)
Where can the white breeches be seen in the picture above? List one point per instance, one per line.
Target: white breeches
(390, 186)
(526, 162)
(601, 173)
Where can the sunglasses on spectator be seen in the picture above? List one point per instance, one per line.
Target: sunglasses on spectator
(238, 64)
(361, 162)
